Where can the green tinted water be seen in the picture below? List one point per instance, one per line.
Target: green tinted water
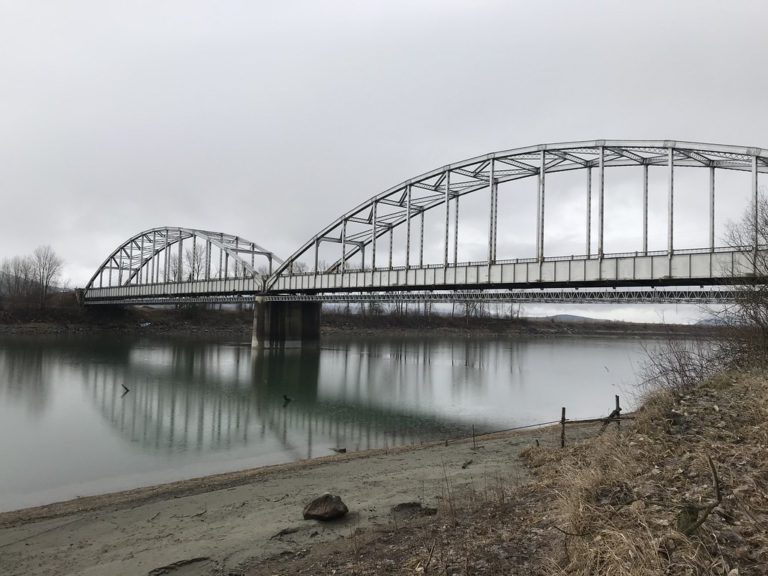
(68, 428)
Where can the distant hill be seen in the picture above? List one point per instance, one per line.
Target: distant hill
(573, 318)
(712, 322)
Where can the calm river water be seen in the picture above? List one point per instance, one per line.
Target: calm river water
(68, 428)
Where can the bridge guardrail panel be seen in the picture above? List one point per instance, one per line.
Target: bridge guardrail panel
(626, 268)
(606, 270)
(577, 270)
(660, 266)
(531, 271)
(592, 268)
(563, 271)
(643, 268)
(680, 266)
(544, 271)
(518, 271)
(494, 270)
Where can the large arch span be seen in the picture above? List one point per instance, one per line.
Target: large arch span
(360, 231)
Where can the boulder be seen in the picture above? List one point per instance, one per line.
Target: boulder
(325, 507)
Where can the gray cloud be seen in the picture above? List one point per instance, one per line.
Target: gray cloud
(270, 119)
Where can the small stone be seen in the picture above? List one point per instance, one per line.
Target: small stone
(325, 507)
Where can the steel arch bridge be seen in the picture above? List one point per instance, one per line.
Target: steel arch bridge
(362, 242)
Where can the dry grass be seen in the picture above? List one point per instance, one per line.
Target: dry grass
(625, 501)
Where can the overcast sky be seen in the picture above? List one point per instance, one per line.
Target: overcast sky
(269, 119)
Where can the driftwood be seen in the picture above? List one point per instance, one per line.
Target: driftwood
(692, 516)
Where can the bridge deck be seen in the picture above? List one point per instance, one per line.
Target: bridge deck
(651, 271)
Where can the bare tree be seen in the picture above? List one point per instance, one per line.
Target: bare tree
(474, 308)
(512, 311)
(17, 281)
(195, 262)
(298, 268)
(750, 311)
(175, 270)
(47, 267)
(398, 308)
(375, 308)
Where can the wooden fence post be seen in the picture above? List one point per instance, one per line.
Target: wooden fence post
(618, 413)
(562, 428)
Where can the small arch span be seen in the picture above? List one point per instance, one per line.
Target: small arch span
(175, 255)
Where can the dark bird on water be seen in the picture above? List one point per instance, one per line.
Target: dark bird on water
(125, 390)
(286, 400)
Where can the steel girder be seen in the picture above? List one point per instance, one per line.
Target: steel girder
(680, 295)
(413, 197)
(134, 255)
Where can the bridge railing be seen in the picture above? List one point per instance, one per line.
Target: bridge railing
(684, 267)
(632, 254)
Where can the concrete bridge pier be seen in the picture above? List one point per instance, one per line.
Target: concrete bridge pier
(285, 324)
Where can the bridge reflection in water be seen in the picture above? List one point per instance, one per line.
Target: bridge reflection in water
(67, 428)
(194, 397)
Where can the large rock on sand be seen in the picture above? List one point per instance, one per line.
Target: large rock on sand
(326, 507)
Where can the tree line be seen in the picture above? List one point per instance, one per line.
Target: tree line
(27, 281)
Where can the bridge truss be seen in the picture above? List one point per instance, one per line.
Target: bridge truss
(361, 248)
(183, 261)
(360, 233)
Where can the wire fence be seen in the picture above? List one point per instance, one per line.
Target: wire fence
(613, 417)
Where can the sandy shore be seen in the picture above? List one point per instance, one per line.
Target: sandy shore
(220, 524)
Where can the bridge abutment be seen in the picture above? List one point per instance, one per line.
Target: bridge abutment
(285, 324)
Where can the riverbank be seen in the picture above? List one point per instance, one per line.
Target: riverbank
(233, 523)
(682, 490)
(144, 320)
